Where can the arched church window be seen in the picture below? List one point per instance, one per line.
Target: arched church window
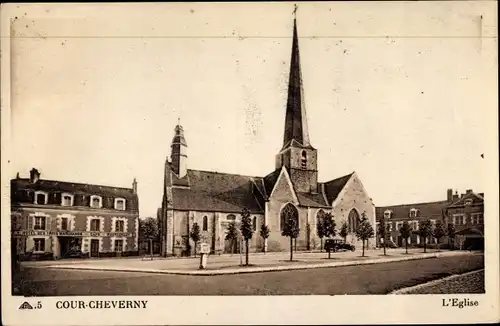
(319, 216)
(254, 223)
(231, 217)
(303, 160)
(289, 212)
(205, 223)
(353, 220)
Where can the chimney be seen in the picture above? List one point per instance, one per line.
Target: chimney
(468, 191)
(449, 195)
(34, 175)
(455, 196)
(134, 186)
(17, 176)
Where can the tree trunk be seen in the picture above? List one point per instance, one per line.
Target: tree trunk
(406, 245)
(384, 244)
(329, 254)
(291, 248)
(246, 252)
(438, 244)
(295, 244)
(321, 248)
(363, 254)
(151, 248)
(425, 245)
(195, 245)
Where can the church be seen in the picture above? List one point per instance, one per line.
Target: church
(213, 200)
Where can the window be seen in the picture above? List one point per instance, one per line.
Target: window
(254, 223)
(353, 220)
(119, 245)
(477, 218)
(388, 226)
(387, 214)
(119, 226)
(303, 160)
(205, 223)
(413, 212)
(95, 202)
(64, 223)
(289, 213)
(120, 204)
(459, 219)
(468, 201)
(66, 199)
(39, 223)
(39, 244)
(231, 217)
(95, 225)
(41, 197)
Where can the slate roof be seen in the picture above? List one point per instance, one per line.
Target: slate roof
(426, 210)
(213, 191)
(335, 186)
(224, 192)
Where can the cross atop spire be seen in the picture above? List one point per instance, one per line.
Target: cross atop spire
(296, 132)
(295, 11)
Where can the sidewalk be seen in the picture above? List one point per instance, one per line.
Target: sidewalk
(229, 264)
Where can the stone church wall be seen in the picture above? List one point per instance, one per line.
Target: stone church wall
(354, 198)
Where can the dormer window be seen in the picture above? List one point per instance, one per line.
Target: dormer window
(120, 204)
(66, 199)
(41, 198)
(95, 201)
(387, 214)
(468, 201)
(303, 160)
(413, 212)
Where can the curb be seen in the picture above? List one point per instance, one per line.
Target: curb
(434, 282)
(250, 270)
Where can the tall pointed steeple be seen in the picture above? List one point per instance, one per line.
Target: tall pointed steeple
(296, 130)
(297, 154)
(179, 152)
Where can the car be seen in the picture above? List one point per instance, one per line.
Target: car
(338, 245)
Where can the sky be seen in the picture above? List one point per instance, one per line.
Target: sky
(398, 92)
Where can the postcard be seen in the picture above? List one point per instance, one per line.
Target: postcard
(250, 163)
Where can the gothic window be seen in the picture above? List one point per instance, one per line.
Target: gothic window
(319, 216)
(289, 212)
(353, 220)
(205, 223)
(303, 160)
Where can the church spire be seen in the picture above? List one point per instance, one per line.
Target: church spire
(295, 120)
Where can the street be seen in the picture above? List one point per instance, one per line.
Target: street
(366, 279)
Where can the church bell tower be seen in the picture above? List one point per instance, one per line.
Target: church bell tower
(179, 152)
(297, 154)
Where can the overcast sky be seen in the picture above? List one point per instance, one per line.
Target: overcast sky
(393, 91)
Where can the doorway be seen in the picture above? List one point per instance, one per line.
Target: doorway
(70, 247)
(94, 248)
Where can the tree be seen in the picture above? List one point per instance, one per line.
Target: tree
(425, 230)
(329, 227)
(264, 233)
(291, 230)
(232, 235)
(450, 232)
(148, 230)
(405, 232)
(438, 232)
(382, 231)
(195, 235)
(247, 230)
(344, 231)
(364, 231)
(320, 231)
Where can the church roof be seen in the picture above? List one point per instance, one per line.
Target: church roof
(312, 199)
(335, 186)
(213, 191)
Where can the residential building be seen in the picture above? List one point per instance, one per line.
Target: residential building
(54, 219)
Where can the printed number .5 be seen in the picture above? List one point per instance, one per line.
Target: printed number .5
(39, 305)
